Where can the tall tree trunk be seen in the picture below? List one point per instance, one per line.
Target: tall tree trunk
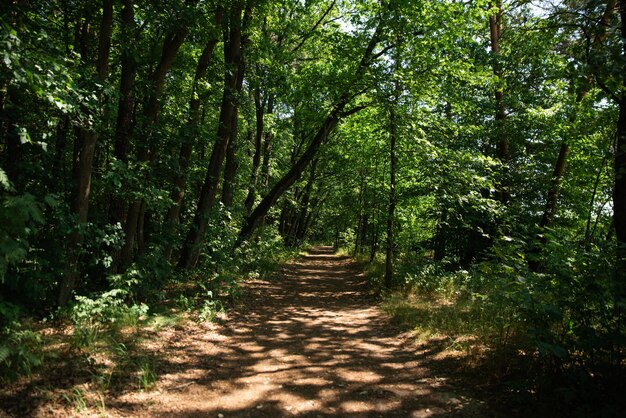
(83, 163)
(502, 144)
(619, 189)
(253, 220)
(126, 105)
(232, 56)
(553, 192)
(594, 193)
(258, 149)
(304, 205)
(391, 209)
(231, 165)
(552, 196)
(145, 150)
(267, 154)
(186, 149)
(439, 241)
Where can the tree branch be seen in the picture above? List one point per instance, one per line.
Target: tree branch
(307, 35)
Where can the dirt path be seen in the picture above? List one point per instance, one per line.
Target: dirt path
(311, 343)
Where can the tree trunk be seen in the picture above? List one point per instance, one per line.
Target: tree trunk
(83, 164)
(304, 206)
(392, 199)
(258, 149)
(231, 165)
(186, 149)
(502, 144)
(126, 104)
(232, 55)
(553, 192)
(146, 151)
(619, 190)
(267, 154)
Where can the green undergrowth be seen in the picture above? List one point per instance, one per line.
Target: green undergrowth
(537, 336)
(108, 339)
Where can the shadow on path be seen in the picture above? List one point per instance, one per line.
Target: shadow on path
(313, 343)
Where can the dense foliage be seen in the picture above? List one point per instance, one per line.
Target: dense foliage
(478, 148)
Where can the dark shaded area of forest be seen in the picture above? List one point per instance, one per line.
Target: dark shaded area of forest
(155, 155)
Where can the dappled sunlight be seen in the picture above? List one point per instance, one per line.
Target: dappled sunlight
(310, 344)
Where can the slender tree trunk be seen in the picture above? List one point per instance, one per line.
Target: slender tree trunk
(189, 139)
(619, 189)
(392, 199)
(439, 250)
(83, 162)
(146, 149)
(232, 56)
(258, 149)
(592, 202)
(231, 165)
(126, 105)
(253, 221)
(304, 205)
(502, 144)
(559, 167)
(267, 154)
(553, 192)
(60, 148)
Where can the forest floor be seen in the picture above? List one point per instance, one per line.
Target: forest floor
(310, 341)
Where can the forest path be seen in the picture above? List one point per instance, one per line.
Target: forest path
(311, 342)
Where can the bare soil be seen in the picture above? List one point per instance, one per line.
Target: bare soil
(310, 342)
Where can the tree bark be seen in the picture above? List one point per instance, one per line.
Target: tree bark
(83, 163)
(502, 144)
(258, 149)
(126, 104)
(304, 205)
(145, 149)
(232, 55)
(619, 189)
(231, 165)
(189, 139)
(389, 254)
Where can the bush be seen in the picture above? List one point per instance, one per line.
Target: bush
(93, 316)
(20, 349)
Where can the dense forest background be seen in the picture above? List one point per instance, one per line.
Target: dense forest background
(472, 152)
